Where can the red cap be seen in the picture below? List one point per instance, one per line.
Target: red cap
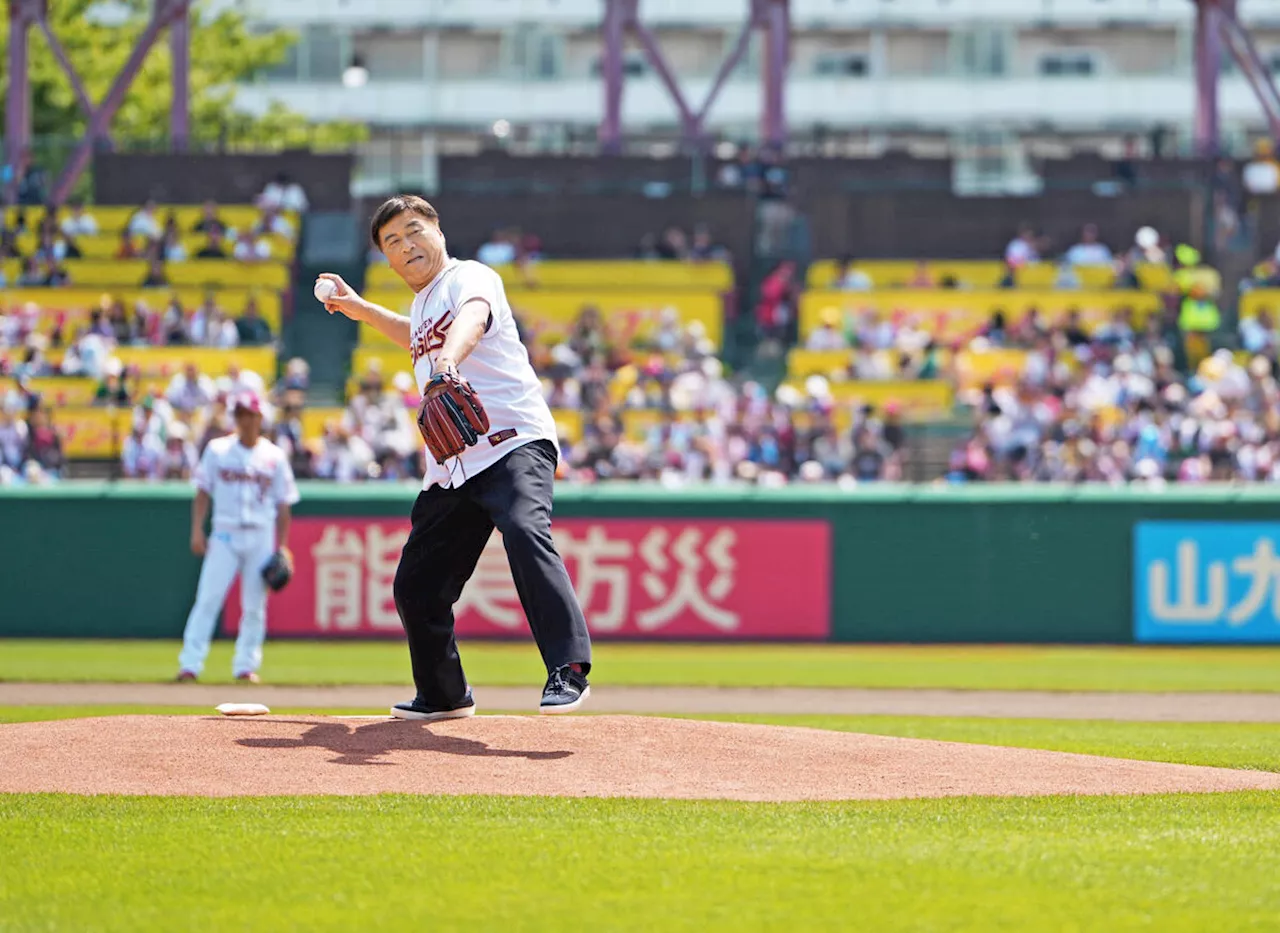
(247, 401)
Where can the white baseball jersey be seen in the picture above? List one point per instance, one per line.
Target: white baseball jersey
(498, 369)
(246, 485)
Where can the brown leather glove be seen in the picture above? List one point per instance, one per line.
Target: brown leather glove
(450, 416)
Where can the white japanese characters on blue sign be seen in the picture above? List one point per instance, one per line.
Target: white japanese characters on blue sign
(1206, 581)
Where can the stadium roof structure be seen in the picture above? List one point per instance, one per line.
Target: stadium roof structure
(1218, 27)
(1217, 24)
(23, 15)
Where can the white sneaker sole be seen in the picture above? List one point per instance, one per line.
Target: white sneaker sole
(567, 707)
(462, 713)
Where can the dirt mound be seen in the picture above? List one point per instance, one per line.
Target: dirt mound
(604, 756)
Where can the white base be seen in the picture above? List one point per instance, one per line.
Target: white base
(567, 707)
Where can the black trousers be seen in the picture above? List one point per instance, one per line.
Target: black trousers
(450, 530)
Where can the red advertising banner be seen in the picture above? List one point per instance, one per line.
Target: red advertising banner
(689, 579)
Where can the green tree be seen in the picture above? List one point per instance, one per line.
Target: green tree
(224, 52)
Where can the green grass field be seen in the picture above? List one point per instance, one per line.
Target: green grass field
(500, 664)
(1178, 862)
(401, 863)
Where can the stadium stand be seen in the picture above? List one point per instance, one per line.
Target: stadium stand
(104, 308)
(1015, 355)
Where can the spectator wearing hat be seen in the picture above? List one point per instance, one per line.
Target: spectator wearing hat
(828, 335)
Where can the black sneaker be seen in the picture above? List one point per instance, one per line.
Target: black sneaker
(416, 709)
(565, 691)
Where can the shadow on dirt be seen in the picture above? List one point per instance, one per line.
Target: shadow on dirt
(364, 745)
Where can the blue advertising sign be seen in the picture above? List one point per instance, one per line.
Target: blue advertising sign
(1206, 582)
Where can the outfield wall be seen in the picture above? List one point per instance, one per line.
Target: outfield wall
(882, 564)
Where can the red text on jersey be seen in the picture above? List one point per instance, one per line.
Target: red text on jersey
(429, 336)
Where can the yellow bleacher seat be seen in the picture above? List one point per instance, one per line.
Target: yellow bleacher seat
(568, 423)
(960, 312)
(638, 422)
(115, 217)
(107, 273)
(393, 360)
(61, 392)
(78, 302)
(552, 313)
(802, 363)
(1045, 275)
(998, 365)
(314, 420)
(923, 399)
(896, 273)
(983, 274)
(839, 365)
(1260, 299)
(92, 433)
(582, 274)
(157, 364)
(165, 361)
(105, 246)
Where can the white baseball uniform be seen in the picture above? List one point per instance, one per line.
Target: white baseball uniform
(247, 487)
(498, 369)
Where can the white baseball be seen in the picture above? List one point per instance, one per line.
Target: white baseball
(325, 289)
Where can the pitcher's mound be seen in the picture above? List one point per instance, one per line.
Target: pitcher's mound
(605, 756)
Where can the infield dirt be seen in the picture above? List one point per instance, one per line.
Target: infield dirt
(588, 756)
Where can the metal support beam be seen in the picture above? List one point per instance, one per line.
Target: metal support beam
(768, 16)
(1208, 62)
(726, 69)
(82, 96)
(614, 33)
(23, 14)
(180, 56)
(1218, 22)
(653, 53)
(164, 14)
(777, 25)
(1251, 65)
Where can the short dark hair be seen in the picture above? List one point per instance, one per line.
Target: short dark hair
(394, 207)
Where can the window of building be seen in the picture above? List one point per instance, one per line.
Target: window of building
(535, 53)
(324, 58)
(634, 65)
(982, 50)
(842, 65)
(1068, 63)
(288, 68)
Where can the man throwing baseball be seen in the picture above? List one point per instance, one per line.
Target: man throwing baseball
(493, 454)
(250, 484)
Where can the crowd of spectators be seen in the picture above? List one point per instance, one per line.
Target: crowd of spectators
(675, 245)
(1127, 401)
(695, 422)
(168, 427)
(74, 346)
(1128, 415)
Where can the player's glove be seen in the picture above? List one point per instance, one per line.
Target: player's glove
(450, 416)
(279, 570)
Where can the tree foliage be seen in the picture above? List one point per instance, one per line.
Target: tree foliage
(224, 52)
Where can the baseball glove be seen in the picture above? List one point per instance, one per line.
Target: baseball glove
(450, 416)
(279, 570)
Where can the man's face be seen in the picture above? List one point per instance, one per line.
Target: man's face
(248, 422)
(414, 247)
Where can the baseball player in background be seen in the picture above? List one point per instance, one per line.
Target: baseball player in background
(250, 485)
(493, 460)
